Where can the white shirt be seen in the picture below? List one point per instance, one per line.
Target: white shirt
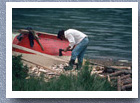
(74, 36)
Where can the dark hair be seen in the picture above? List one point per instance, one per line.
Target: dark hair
(60, 33)
(29, 28)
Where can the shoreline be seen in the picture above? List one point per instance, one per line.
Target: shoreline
(120, 71)
(111, 62)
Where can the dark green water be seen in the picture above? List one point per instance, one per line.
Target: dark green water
(109, 29)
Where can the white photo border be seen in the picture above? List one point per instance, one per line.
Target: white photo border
(71, 94)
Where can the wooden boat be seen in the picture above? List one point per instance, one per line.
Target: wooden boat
(50, 43)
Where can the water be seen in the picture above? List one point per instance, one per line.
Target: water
(109, 29)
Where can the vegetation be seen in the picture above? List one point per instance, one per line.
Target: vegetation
(84, 81)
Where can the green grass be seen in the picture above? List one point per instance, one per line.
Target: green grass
(84, 81)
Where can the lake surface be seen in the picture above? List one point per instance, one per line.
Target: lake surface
(109, 29)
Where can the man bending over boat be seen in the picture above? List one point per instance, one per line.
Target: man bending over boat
(31, 35)
(78, 42)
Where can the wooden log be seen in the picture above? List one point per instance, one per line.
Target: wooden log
(122, 77)
(128, 86)
(127, 81)
(120, 67)
(113, 78)
(36, 52)
(127, 72)
(125, 76)
(116, 73)
(129, 78)
(108, 78)
(111, 69)
(119, 83)
(121, 72)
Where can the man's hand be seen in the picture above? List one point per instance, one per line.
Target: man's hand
(65, 50)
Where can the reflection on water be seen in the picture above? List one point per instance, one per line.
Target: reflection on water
(109, 30)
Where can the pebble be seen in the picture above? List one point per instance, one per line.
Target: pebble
(43, 70)
(61, 66)
(66, 64)
(34, 68)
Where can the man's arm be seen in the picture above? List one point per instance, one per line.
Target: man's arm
(69, 48)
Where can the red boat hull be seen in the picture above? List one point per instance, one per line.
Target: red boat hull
(50, 43)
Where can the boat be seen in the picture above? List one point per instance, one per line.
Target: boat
(50, 43)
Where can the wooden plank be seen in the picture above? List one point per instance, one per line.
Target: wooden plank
(36, 52)
(40, 65)
(119, 83)
(44, 61)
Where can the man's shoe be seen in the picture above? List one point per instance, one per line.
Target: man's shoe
(70, 67)
(79, 66)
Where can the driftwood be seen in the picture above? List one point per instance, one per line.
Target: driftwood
(119, 83)
(122, 81)
(118, 76)
(108, 78)
(120, 72)
(125, 76)
(116, 73)
(111, 69)
(127, 82)
(120, 67)
(122, 77)
(128, 86)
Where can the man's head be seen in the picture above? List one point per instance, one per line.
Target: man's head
(29, 28)
(60, 35)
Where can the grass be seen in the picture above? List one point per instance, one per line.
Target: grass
(84, 81)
